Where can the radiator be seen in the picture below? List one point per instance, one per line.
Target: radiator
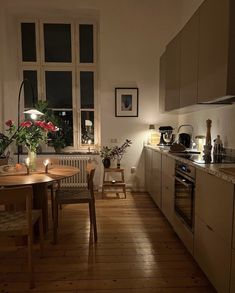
(79, 180)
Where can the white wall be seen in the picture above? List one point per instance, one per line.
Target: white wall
(223, 118)
(133, 34)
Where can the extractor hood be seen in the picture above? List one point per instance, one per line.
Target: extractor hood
(226, 100)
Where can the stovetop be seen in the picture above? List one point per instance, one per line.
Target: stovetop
(202, 159)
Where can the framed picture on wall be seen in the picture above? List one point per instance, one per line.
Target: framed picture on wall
(126, 102)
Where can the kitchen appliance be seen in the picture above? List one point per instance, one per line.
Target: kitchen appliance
(185, 138)
(167, 136)
(184, 193)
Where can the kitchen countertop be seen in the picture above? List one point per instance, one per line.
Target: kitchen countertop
(213, 169)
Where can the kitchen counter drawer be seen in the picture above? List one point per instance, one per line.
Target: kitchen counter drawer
(213, 255)
(214, 203)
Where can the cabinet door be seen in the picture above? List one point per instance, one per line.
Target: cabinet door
(189, 62)
(168, 170)
(162, 83)
(156, 178)
(148, 169)
(213, 49)
(213, 255)
(232, 285)
(172, 100)
(214, 203)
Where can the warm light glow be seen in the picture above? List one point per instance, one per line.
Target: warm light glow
(46, 162)
(27, 161)
(33, 116)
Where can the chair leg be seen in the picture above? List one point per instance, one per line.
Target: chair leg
(93, 219)
(52, 201)
(55, 222)
(41, 237)
(30, 259)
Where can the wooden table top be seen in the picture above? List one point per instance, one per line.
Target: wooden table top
(58, 172)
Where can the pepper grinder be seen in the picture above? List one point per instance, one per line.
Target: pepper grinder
(208, 132)
(208, 146)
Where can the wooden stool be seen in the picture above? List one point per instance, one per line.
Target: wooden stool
(114, 184)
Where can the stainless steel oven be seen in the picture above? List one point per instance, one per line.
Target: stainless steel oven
(184, 193)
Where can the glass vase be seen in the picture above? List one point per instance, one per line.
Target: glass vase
(118, 163)
(32, 160)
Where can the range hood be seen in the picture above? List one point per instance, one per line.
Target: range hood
(226, 100)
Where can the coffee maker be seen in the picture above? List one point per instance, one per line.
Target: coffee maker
(167, 136)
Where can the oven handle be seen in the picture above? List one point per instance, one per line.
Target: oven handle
(189, 185)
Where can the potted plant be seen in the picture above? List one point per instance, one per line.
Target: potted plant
(106, 155)
(62, 137)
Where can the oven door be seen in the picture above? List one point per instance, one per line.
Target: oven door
(184, 199)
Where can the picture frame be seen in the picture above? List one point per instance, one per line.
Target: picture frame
(126, 102)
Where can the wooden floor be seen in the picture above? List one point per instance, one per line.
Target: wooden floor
(137, 252)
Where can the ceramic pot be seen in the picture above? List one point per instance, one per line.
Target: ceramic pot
(106, 162)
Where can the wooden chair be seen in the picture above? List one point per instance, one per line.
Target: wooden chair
(77, 196)
(16, 222)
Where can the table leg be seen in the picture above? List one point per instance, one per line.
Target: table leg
(40, 201)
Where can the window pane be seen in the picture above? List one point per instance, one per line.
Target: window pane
(66, 127)
(28, 39)
(59, 89)
(87, 127)
(30, 98)
(86, 43)
(57, 41)
(87, 89)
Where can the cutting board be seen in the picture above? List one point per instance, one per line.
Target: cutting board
(229, 171)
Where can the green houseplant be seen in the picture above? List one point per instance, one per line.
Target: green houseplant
(106, 155)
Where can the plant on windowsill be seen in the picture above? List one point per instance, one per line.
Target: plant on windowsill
(62, 137)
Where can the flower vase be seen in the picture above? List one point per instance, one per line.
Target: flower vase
(32, 160)
(106, 162)
(118, 163)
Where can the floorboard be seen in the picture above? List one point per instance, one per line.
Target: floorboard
(137, 252)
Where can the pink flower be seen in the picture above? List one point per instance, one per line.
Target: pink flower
(46, 126)
(50, 126)
(26, 124)
(9, 123)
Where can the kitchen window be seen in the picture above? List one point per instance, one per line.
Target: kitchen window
(60, 60)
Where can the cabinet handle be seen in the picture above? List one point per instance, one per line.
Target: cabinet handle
(209, 227)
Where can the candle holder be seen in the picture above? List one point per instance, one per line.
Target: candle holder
(27, 162)
(46, 164)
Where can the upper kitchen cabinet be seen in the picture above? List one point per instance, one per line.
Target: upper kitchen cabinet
(172, 98)
(162, 83)
(189, 62)
(216, 67)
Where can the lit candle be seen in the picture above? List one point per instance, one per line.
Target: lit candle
(89, 143)
(46, 164)
(27, 162)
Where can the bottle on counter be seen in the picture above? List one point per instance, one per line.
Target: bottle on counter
(218, 146)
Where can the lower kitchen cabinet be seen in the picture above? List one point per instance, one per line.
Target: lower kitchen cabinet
(153, 175)
(232, 285)
(213, 228)
(168, 186)
(156, 178)
(213, 255)
(148, 169)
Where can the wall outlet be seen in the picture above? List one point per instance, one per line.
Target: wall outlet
(133, 170)
(113, 140)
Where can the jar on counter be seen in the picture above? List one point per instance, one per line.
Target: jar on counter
(200, 141)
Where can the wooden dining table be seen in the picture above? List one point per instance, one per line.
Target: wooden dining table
(39, 181)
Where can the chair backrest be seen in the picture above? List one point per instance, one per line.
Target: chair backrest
(90, 169)
(18, 196)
